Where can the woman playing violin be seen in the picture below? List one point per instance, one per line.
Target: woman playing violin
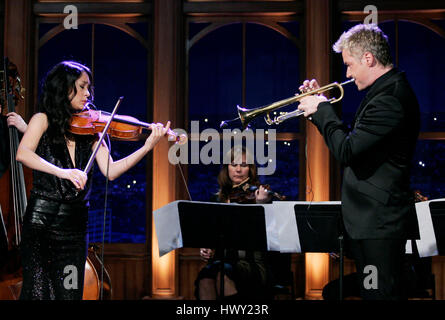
(247, 273)
(54, 232)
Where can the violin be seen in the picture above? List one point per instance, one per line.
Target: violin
(271, 192)
(122, 127)
(245, 193)
(242, 194)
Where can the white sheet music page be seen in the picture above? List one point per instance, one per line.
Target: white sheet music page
(426, 245)
(168, 228)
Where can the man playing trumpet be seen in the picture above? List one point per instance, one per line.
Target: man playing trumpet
(377, 204)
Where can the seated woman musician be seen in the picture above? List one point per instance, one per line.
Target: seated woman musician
(55, 223)
(247, 274)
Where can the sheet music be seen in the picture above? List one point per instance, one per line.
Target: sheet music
(427, 244)
(284, 227)
(168, 228)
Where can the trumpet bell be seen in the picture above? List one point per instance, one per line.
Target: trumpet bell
(247, 115)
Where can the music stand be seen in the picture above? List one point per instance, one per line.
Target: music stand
(319, 229)
(437, 210)
(222, 226)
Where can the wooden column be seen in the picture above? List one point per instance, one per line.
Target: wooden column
(318, 46)
(166, 16)
(18, 44)
(17, 47)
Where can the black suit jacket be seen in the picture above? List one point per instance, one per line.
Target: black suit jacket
(377, 202)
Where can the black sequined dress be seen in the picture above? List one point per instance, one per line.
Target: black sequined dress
(54, 243)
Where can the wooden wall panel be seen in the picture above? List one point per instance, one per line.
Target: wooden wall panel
(129, 270)
(17, 43)
(2, 27)
(190, 264)
(438, 269)
(299, 271)
(128, 267)
(334, 267)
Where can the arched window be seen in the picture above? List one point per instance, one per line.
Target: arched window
(247, 64)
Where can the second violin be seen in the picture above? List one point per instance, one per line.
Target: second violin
(245, 193)
(122, 127)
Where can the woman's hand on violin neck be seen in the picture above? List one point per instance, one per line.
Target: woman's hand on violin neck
(262, 195)
(157, 132)
(77, 177)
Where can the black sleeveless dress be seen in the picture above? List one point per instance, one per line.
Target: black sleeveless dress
(54, 232)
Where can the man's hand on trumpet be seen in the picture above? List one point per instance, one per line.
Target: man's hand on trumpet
(309, 86)
(309, 104)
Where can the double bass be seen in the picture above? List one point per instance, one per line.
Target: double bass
(97, 282)
(13, 196)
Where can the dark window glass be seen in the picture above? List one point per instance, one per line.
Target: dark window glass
(215, 76)
(425, 67)
(273, 73)
(73, 44)
(286, 178)
(428, 168)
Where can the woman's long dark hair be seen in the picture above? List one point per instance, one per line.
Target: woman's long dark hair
(54, 100)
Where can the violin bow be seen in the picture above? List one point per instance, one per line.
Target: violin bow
(93, 155)
(88, 168)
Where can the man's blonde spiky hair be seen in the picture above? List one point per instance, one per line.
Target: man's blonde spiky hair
(365, 38)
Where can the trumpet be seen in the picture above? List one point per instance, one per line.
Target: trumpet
(247, 115)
